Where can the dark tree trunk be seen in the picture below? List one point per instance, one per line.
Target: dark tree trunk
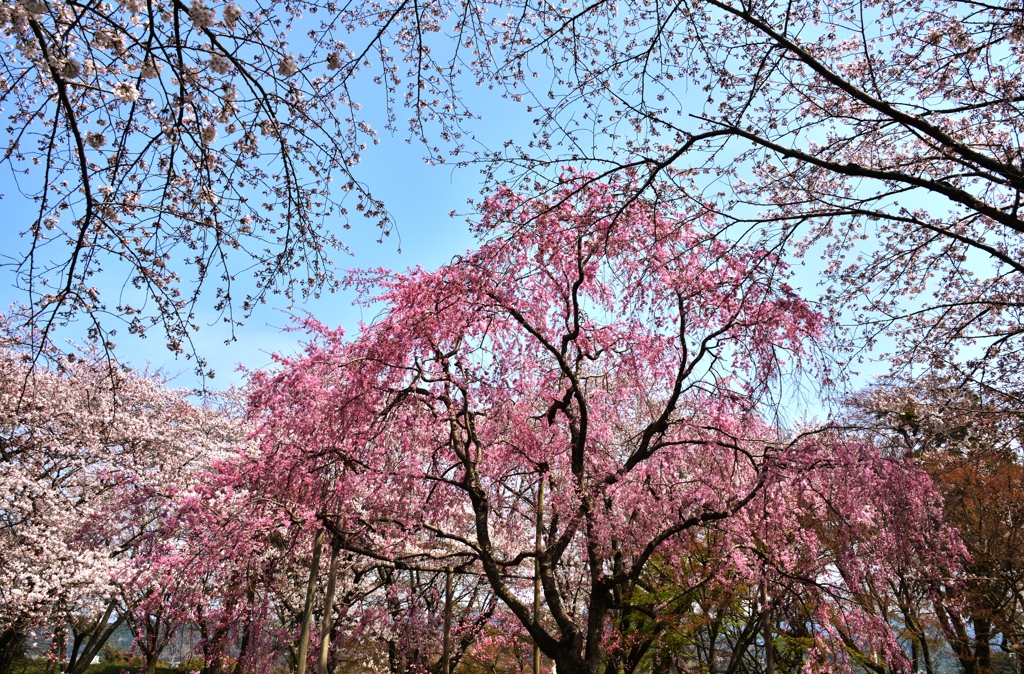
(57, 648)
(242, 665)
(573, 664)
(957, 637)
(982, 649)
(91, 639)
(12, 647)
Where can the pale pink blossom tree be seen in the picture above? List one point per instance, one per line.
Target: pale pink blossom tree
(176, 141)
(91, 459)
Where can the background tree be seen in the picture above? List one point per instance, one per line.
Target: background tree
(970, 444)
(90, 457)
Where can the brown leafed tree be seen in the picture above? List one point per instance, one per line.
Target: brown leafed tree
(971, 448)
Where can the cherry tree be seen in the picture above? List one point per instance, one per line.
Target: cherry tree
(819, 606)
(252, 569)
(211, 574)
(183, 139)
(596, 376)
(90, 459)
(326, 596)
(180, 140)
(881, 135)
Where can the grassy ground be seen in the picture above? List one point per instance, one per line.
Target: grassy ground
(39, 667)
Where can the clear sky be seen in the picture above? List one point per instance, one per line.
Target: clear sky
(419, 197)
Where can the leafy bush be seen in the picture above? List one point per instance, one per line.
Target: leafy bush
(113, 655)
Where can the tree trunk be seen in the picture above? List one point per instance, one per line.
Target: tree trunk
(74, 657)
(766, 626)
(242, 664)
(12, 647)
(92, 641)
(446, 652)
(213, 659)
(538, 548)
(957, 637)
(574, 664)
(982, 649)
(307, 612)
(57, 648)
(328, 621)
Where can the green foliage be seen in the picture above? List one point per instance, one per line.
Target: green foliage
(29, 667)
(191, 665)
(111, 654)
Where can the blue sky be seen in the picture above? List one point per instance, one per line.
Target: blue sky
(420, 198)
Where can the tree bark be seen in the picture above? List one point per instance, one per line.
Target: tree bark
(766, 627)
(982, 648)
(328, 621)
(539, 544)
(242, 664)
(58, 648)
(307, 612)
(446, 652)
(99, 639)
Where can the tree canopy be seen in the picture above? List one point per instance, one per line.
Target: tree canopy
(614, 355)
